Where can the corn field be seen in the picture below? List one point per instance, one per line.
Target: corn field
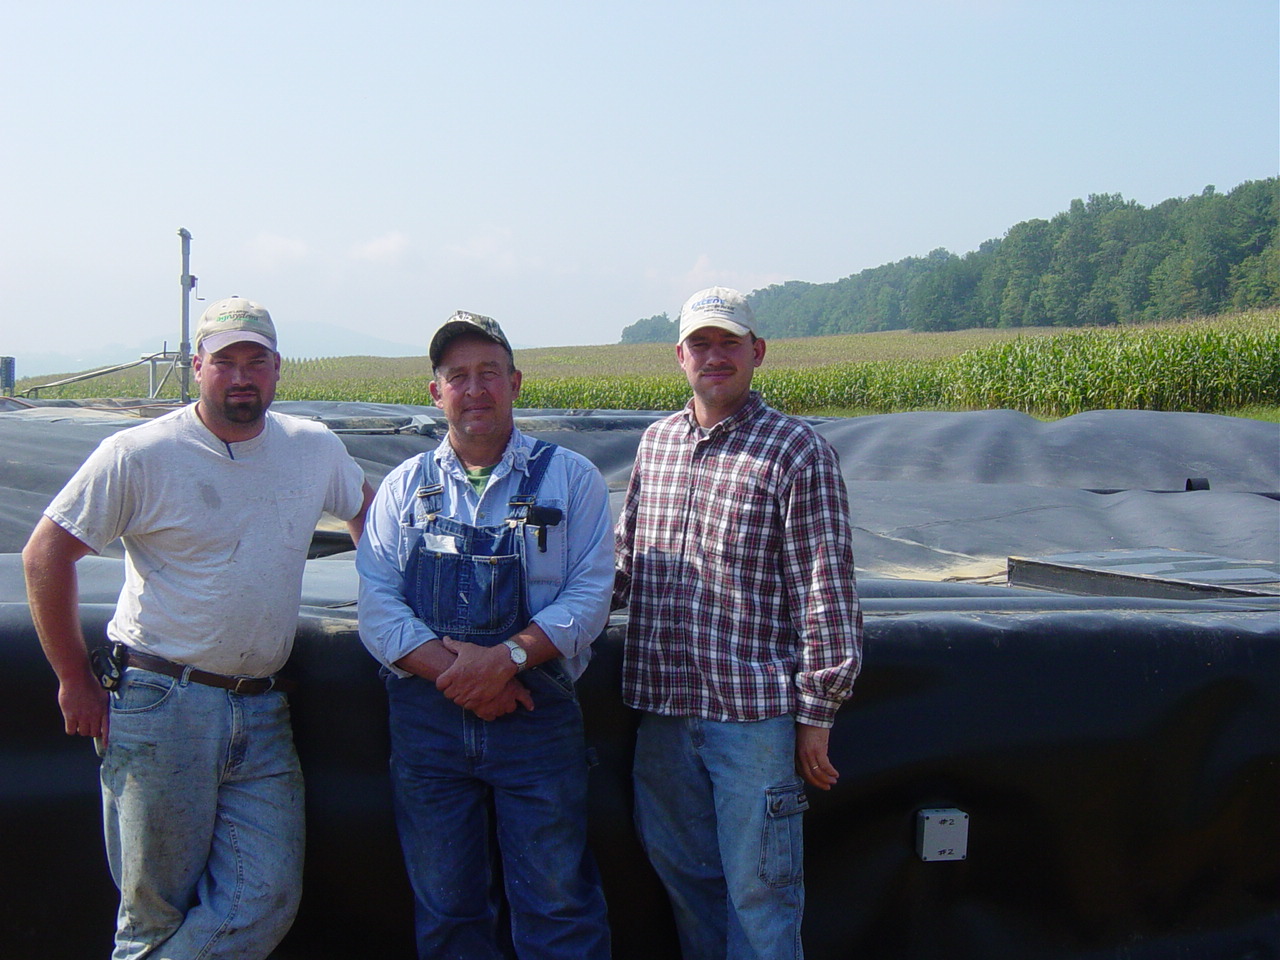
(1200, 368)
(1211, 365)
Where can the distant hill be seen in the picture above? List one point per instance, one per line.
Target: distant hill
(1103, 261)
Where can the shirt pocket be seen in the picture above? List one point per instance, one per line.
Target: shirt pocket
(546, 548)
(407, 542)
(739, 524)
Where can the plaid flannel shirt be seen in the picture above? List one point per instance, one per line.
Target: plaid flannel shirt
(734, 554)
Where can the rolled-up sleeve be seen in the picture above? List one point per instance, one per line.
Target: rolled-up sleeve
(388, 627)
(579, 611)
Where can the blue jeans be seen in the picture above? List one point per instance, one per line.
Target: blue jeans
(203, 814)
(718, 809)
(447, 766)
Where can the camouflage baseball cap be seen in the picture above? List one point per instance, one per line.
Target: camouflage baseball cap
(462, 322)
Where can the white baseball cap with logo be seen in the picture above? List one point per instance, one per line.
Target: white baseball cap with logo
(721, 307)
(234, 320)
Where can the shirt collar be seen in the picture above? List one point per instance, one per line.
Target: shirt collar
(747, 412)
(514, 457)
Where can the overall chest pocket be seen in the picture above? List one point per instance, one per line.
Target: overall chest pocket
(461, 592)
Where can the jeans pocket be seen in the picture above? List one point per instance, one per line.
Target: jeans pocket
(782, 842)
(141, 692)
(549, 680)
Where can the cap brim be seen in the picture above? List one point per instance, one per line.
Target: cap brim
(220, 341)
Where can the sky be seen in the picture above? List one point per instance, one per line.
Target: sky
(364, 169)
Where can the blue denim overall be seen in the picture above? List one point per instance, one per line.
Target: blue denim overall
(450, 768)
(475, 590)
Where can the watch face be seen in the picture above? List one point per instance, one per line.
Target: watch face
(518, 653)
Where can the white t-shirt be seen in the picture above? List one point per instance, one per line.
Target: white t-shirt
(215, 534)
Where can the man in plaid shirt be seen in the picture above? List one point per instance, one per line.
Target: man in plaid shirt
(744, 637)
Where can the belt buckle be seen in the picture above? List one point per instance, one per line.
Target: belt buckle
(271, 682)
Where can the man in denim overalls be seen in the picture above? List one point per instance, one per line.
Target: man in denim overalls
(485, 574)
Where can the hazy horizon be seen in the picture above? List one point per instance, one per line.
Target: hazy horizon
(572, 169)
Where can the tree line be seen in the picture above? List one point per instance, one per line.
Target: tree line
(1104, 261)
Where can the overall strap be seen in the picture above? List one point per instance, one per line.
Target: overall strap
(539, 460)
(428, 500)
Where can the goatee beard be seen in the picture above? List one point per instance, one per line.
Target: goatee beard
(247, 410)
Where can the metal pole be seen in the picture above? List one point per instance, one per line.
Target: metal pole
(188, 282)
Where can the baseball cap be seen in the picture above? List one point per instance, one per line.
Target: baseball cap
(721, 307)
(462, 322)
(233, 320)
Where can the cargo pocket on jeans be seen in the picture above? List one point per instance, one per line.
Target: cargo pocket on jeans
(782, 845)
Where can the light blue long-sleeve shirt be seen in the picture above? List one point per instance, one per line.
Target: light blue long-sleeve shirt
(568, 586)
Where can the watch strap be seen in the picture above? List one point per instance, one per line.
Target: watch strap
(519, 655)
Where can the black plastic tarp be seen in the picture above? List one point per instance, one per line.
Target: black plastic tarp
(931, 494)
(1118, 757)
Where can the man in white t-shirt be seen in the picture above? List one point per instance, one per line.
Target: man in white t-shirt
(215, 504)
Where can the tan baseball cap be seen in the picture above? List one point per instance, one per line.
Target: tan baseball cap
(233, 320)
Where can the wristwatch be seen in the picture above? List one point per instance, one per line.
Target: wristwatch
(519, 656)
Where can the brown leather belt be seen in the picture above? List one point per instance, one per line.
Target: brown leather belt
(248, 686)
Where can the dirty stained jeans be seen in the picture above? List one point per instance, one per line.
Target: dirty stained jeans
(202, 808)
